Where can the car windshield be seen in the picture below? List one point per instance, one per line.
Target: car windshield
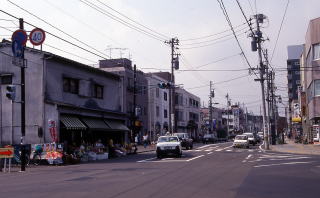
(242, 137)
(250, 136)
(180, 135)
(168, 139)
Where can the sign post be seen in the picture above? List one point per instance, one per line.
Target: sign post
(7, 153)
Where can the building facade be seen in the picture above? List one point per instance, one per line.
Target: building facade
(294, 84)
(135, 108)
(158, 105)
(66, 101)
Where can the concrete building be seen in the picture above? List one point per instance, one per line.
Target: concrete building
(294, 83)
(312, 80)
(187, 112)
(65, 101)
(137, 114)
(217, 124)
(158, 105)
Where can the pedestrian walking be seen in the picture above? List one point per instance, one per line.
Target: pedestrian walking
(145, 140)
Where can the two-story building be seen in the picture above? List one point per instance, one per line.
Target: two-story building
(66, 101)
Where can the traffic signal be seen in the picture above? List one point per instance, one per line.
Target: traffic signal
(11, 92)
(165, 85)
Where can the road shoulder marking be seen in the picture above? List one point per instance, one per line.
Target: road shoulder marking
(288, 163)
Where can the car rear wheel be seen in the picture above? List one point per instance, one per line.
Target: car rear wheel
(159, 156)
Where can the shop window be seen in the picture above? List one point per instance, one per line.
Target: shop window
(71, 85)
(98, 91)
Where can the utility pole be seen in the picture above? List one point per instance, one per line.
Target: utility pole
(134, 116)
(228, 104)
(23, 107)
(174, 66)
(258, 39)
(211, 95)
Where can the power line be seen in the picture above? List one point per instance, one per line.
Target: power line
(218, 41)
(164, 36)
(115, 18)
(62, 39)
(208, 41)
(60, 30)
(284, 15)
(229, 22)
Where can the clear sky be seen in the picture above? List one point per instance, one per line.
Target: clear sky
(202, 21)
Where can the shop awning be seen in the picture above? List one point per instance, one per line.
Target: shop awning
(116, 125)
(95, 123)
(72, 123)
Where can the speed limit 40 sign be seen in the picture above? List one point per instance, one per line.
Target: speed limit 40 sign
(37, 36)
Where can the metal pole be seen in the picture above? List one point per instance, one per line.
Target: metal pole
(172, 88)
(23, 114)
(262, 70)
(210, 108)
(227, 96)
(134, 117)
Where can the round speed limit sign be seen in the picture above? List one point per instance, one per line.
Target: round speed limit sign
(37, 36)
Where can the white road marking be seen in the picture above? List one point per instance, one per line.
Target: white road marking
(204, 146)
(250, 150)
(248, 157)
(257, 160)
(279, 156)
(194, 158)
(147, 159)
(293, 158)
(228, 150)
(288, 163)
(224, 148)
(208, 150)
(210, 153)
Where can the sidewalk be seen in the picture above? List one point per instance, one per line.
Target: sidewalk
(141, 149)
(297, 148)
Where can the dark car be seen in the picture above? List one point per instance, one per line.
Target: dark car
(185, 140)
(209, 138)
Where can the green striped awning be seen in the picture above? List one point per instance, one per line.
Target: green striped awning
(72, 122)
(95, 123)
(116, 125)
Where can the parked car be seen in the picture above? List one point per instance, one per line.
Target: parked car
(260, 134)
(185, 140)
(251, 137)
(241, 141)
(168, 145)
(209, 138)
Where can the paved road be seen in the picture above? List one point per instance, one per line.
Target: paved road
(215, 170)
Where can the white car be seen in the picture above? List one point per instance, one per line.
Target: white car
(241, 141)
(251, 138)
(168, 145)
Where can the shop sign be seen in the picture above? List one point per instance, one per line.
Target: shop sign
(53, 130)
(6, 152)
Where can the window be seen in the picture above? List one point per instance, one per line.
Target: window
(98, 91)
(71, 85)
(317, 87)
(165, 113)
(157, 92)
(298, 82)
(6, 79)
(157, 111)
(190, 102)
(316, 51)
(165, 96)
(144, 90)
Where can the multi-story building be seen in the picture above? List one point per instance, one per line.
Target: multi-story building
(294, 83)
(187, 112)
(158, 105)
(234, 117)
(65, 101)
(136, 108)
(216, 120)
(311, 83)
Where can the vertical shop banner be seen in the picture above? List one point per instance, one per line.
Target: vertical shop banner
(53, 130)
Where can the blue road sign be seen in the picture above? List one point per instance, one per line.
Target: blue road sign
(17, 49)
